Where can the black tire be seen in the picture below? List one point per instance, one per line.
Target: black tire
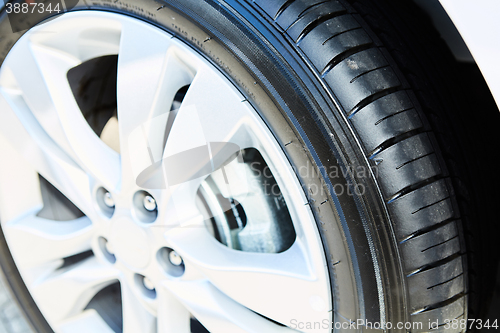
(378, 100)
(351, 85)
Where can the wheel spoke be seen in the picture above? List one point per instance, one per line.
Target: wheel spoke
(283, 279)
(87, 321)
(37, 241)
(135, 316)
(208, 132)
(216, 311)
(20, 131)
(172, 315)
(66, 292)
(39, 73)
(210, 112)
(149, 76)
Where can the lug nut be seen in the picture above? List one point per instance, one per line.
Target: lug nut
(175, 258)
(108, 200)
(148, 283)
(149, 203)
(106, 249)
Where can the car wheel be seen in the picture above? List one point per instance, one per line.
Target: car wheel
(263, 166)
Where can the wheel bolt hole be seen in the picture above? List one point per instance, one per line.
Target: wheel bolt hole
(106, 250)
(170, 261)
(105, 202)
(145, 207)
(145, 285)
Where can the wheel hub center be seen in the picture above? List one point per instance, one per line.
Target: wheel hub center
(130, 243)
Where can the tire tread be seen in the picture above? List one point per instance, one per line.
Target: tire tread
(396, 137)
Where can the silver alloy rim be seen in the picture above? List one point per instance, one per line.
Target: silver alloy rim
(43, 132)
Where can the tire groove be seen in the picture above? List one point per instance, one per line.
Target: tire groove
(438, 244)
(340, 33)
(428, 229)
(369, 71)
(414, 187)
(392, 115)
(308, 9)
(313, 24)
(435, 264)
(440, 304)
(449, 280)
(372, 98)
(342, 56)
(413, 160)
(430, 205)
(393, 141)
(283, 8)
